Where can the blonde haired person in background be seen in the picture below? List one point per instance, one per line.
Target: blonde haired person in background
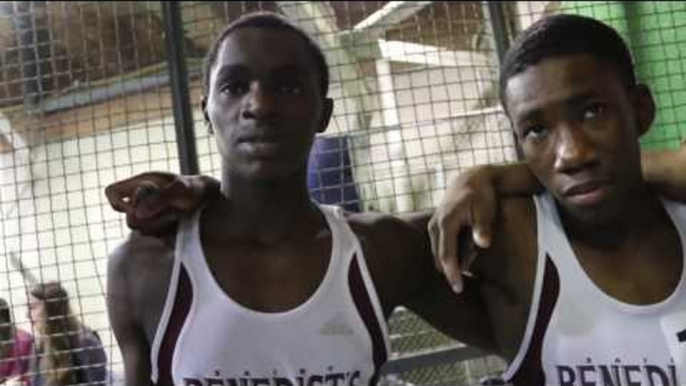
(66, 352)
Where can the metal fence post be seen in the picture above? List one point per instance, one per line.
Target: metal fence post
(183, 115)
(501, 36)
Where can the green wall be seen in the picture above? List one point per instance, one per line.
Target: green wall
(656, 33)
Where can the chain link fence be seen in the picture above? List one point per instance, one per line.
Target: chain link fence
(87, 98)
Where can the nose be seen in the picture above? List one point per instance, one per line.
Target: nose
(574, 150)
(259, 102)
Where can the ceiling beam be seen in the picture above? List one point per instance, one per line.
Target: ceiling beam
(391, 14)
(397, 51)
(362, 38)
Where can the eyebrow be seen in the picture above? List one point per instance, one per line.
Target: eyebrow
(570, 100)
(241, 70)
(528, 115)
(231, 70)
(580, 97)
(291, 69)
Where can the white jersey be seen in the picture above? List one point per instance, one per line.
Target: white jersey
(578, 335)
(338, 337)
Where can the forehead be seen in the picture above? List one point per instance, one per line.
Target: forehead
(560, 79)
(264, 50)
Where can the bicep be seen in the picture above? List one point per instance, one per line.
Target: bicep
(423, 290)
(462, 316)
(418, 220)
(665, 170)
(127, 330)
(132, 342)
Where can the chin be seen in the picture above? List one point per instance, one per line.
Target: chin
(271, 173)
(601, 214)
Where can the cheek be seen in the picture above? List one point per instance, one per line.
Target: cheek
(221, 108)
(220, 142)
(305, 110)
(540, 161)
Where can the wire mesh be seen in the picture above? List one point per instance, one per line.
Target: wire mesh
(654, 31)
(415, 102)
(85, 100)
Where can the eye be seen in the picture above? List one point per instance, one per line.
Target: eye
(535, 131)
(593, 110)
(291, 88)
(234, 88)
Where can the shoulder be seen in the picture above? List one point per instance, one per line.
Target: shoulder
(514, 242)
(376, 224)
(138, 273)
(390, 236)
(395, 251)
(137, 255)
(135, 246)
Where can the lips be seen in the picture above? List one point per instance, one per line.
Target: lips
(257, 138)
(586, 193)
(259, 145)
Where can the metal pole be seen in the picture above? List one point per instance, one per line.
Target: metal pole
(183, 116)
(499, 27)
(501, 36)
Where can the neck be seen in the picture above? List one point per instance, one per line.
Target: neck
(265, 212)
(641, 209)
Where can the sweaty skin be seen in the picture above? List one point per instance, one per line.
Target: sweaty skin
(265, 242)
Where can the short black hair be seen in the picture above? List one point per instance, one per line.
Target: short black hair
(562, 35)
(266, 20)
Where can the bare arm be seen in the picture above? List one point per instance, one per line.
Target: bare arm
(666, 171)
(400, 262)
(154, 202)
(121, 306)
(471, 201)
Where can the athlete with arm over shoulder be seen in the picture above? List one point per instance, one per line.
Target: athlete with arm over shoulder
(260, 282)
(248, 242)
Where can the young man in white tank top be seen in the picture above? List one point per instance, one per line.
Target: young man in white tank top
(394, 254)
(262, 286)
(584, 284)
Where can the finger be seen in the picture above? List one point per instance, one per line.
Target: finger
(180, 194)
(450, 264)
(118, 198)
(466, 247)
(161, 225)
(483, 217)
(150, 198)
(434, 235)
(149, 205)
(122, 194)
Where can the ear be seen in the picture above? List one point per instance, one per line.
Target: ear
(208, 123)
(644, 108)
(327, 111)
